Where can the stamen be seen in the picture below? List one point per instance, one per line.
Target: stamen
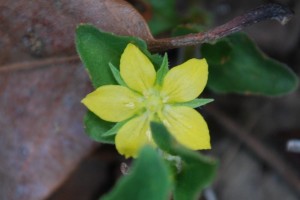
(148, 133)
(165, 99)
(166, 123)
(152, 100)
(130, 105)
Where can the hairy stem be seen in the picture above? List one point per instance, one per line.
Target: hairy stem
(268, 11)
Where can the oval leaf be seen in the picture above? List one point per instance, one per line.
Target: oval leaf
(148, 180)
(97, 49)
(237, 65)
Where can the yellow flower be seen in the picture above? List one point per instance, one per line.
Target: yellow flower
(143, 99)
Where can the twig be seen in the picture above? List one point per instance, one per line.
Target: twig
(209, 194)
(37, 63)
(293, 146)
(263, 152)
(269, 11)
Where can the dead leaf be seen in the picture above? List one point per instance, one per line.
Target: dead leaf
(42, 138)
(46, 28)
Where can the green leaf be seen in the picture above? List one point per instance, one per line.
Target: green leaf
(163, 70)
(237, 65)
(164, 15)
(96, 128)
(117, 75)
(96, 50)
(197, 171)
(195, 103)
(148, 179)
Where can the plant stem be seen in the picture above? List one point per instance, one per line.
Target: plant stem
(268, 11)
(263, 152)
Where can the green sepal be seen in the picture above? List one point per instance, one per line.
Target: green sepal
(163, 70)
(115, 128)
(197, 171)
(117, 75)
(100, 130)
(194, 103)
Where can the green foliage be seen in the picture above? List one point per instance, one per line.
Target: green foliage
(97, 49)
(195, 103)
(97, 128)
(148, 179)
(237, 65)
(163, 70)
(197, 171)
(164, 15)
(117, 75)
(151, 178)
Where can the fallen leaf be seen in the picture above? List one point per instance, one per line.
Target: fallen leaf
(45, 28)
(42, 137)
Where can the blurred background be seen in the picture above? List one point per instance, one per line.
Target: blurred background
(44, 152)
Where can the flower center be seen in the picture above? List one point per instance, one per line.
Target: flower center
(153, 101)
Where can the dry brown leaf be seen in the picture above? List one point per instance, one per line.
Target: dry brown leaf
(44, 28)
(42, 138)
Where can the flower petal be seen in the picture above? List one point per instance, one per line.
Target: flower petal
(112, 103)
(136, 69)
(185, 82)
(187, 126)
(133, 136)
